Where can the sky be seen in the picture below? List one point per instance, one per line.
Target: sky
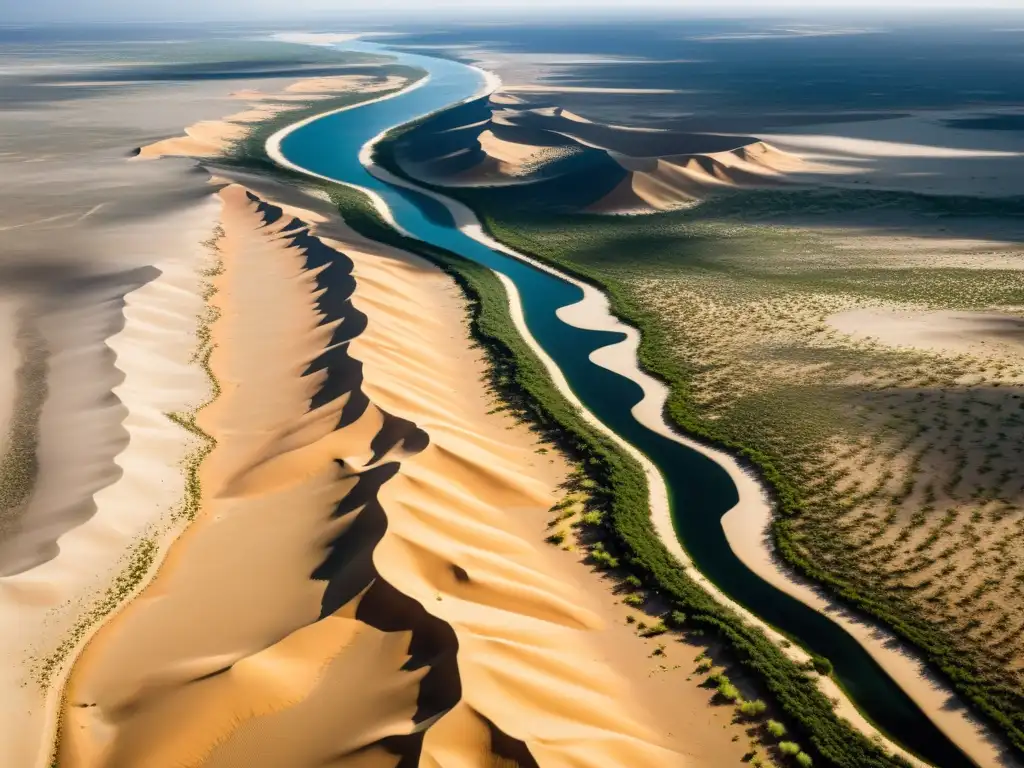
(17, 11)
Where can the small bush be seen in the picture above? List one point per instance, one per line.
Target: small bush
(729, 692)
(633, 581)
(556, 538)
(593, 517)
(655, 629)
(704, 665)
(776, 729)
(822, 665)
(754, 708)
(789, 748)
(600, 557)
(804, 760)
(631, 619)
(677, 619)
(635, 601)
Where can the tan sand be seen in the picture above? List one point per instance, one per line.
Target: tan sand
(42, 609)
(672, 182)
(425, 599)
(214, 137)
(938, 330)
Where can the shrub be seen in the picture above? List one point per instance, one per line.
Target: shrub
(556, 538)
(633, 581)
(753, 708)
(822, 665)
(631, 619)
(789, 748)
(776, 729)
(593, 517)
(804, 760)
(600, 557)
(634, 601)
(729, 692)
(704, 665)
(655, 629)
(677, 619)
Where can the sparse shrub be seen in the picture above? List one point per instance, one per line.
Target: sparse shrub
(804, 760)
(655, 629)
(776, 729)
(556, 538)
(634, 601)
(677, 619)
(789, 748)
(729, 692)
(822, 665)
(754, 708)
(633, 581)
(600, 557)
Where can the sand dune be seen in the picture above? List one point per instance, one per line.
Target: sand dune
(210, 138)
(675, 181)
(339, 542)
(46, 608)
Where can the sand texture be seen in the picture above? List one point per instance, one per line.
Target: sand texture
(353, 590)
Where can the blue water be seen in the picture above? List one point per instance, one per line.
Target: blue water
(700, 491)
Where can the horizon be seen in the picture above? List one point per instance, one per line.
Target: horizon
(63, 12)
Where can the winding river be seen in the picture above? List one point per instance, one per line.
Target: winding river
(700, 491)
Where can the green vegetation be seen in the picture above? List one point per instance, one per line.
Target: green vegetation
(776, 729)
(619, 489)
(789, 748)
(754, 708)
(892, 486)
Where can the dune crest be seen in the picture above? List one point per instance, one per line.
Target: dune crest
(677, 181)
(353, 590)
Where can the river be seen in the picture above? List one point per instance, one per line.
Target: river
(700, 490)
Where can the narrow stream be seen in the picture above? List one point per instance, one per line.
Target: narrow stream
(700, 491)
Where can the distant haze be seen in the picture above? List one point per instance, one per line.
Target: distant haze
(19, 11)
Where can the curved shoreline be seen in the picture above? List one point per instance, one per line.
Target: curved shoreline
(745, 525)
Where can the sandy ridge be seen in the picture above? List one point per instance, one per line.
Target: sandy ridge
(424, 598)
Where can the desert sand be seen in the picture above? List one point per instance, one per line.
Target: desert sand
(667, 183)
(48, 608)
(209, 138)
(357, 533)
(985, 333)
